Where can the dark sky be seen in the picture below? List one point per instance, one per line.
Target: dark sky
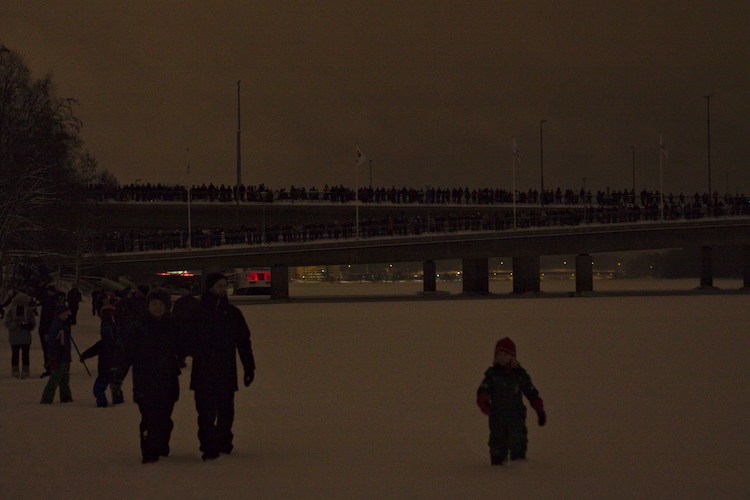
(433, 92)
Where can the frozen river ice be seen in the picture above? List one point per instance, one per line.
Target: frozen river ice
(648, 396)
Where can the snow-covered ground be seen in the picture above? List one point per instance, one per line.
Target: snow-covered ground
(647, 397)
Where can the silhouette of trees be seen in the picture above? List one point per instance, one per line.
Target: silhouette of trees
(43, 166)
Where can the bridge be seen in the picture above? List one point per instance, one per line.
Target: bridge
(524, 246)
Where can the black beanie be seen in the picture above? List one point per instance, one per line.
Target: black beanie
(160, 294)
(212, 278)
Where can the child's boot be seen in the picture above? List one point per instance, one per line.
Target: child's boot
(14, 371)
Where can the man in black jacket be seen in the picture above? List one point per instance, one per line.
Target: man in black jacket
(220, 330)
(74, 301)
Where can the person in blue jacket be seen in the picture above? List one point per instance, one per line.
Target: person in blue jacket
(105, 349)
(500, 398)
(58, 356)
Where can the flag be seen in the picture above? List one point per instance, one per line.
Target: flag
(516, 152)
(663, 148)
(360, 158)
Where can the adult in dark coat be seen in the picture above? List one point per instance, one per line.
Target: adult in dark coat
(220, 331)
(74, 298)
(185, 311)
(130, 308)
(58, 354)
(152, 348)
(48, 300)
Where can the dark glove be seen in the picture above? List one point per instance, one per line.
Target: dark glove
(483, 401)
(542, 416)
(249, 377)
(81, 359)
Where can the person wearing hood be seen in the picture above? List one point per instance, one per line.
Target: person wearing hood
(20, 321)
(220, 332)
(152, 347)
(58, 356)
(500, 398)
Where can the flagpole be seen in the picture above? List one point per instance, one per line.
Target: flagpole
(189, 200)
(514, 183)
(661, 178)
(356, 200)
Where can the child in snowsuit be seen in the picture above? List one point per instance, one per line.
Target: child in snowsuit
(499, 397)
(58, 356)
(105, 348)
(153, 348)
(20, 321)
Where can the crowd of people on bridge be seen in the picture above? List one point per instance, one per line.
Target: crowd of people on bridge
(558, 207)
(397, 226)
(403, 195)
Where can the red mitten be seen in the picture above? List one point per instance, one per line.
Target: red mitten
(483, 401)
(538, 406)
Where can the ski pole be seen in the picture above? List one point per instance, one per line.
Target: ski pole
(79, 354)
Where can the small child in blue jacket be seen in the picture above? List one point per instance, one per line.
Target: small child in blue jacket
(105, 348)
(499, 397)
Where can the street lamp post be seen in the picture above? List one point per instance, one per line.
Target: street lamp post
(189, 241)
(708, 133)
(239, 159)
(541, 159)
(633, 146)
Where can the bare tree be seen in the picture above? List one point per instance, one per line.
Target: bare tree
(41, 162)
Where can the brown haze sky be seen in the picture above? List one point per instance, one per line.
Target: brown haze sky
(432, 91)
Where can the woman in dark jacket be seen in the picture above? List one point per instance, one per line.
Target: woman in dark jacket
(152, 349)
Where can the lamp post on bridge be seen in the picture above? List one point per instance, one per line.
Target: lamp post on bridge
(708, 133)
(239, 158)
(633, 146)
(541, 159)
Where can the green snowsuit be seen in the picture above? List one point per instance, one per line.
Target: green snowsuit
(504, 387)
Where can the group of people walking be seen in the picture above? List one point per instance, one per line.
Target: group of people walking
(19, 311)
(144, 332)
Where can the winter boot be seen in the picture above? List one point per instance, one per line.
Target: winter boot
(117, 395)
(25, 371)
(15, 372)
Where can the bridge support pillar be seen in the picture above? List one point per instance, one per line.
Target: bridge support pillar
(707, 275)
(279, 282)
(525, 273)
(584, 273)
(476, 278)
(429, 283)
(746, 266)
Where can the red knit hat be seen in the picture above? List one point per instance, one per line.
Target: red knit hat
(506, 345)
